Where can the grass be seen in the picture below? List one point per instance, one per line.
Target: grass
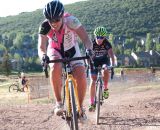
(7, 97)
(18, 97)
(12, 98)
(22, 98)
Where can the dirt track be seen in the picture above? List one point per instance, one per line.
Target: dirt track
(129, 107)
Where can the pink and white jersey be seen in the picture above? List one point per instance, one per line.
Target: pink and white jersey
(67, 36)
(67, 32)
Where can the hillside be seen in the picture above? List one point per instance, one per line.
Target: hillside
(124, 19)
(119, 16)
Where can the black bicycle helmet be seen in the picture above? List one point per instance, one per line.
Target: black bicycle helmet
(53, 10)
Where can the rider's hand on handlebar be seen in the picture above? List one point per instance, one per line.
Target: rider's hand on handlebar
(112, 72)
(45, 60)
(90, 53)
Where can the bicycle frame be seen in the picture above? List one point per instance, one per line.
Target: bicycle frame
(71, 92)
(68, 80)
(98, 97)
(99, 82)
(99, 90)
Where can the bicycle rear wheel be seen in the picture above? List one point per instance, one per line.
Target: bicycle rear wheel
(74, 119)
(13, 88)
(98, 102)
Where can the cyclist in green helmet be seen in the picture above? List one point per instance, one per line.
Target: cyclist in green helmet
(103, 52)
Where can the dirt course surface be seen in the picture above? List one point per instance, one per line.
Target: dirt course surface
(129, 107)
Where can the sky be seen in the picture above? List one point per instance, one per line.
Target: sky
(14, 7)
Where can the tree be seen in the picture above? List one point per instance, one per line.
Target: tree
(158, 47)
(2, 47)
(27, 41)
(111, 38)
(149, 42)
(6, 65)
(118, 49)
(18, 41)
(127, 52)
(18, 59)
(35, 40)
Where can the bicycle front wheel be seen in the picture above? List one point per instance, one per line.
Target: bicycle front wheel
(74, 119)
(98, 102)
(13, 88)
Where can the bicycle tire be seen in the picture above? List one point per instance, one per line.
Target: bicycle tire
(74, 119)
(64, 95)
(13, 88)
(98, 102)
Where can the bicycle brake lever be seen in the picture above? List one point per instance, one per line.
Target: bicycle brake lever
(112, 72)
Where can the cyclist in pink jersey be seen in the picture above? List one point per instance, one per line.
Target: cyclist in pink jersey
(61, 30)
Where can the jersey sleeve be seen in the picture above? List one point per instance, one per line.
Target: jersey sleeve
(44, 28)
(73, 22)
(108, 45)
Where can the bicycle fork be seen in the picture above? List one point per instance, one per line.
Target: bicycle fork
(100, 85)
(68, 101)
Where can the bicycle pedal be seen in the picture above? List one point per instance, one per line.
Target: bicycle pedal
(63, 117)
(66, 118)
(101, 102)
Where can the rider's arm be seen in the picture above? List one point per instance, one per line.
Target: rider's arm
(74, 24)
(111, 55)
(42, 40)
(81, 32)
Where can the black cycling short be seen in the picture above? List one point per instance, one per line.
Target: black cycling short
(99, 62)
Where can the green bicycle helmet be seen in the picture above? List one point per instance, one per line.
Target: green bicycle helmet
(100, 31)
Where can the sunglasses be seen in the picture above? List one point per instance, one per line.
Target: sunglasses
(99, 37)
(55, 20)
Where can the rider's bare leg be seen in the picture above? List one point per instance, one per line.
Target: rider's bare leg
(105, 75)
(56, 80)
(80, 76)
(92, 88)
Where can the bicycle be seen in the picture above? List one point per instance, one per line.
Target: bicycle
(16, 87)
(70, 97)
(99, 89)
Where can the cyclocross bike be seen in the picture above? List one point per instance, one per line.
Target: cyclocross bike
(99, 89)
(16, 87)
(70, 97)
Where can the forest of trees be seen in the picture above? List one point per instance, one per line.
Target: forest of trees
(132, 19)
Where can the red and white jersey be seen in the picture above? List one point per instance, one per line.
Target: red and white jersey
(66, 35)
